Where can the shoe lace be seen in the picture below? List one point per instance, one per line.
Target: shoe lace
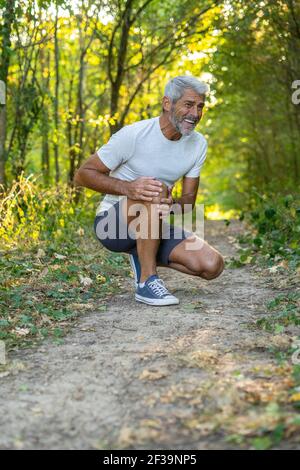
(158, 287)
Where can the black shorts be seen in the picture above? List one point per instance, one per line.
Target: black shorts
(123, 241)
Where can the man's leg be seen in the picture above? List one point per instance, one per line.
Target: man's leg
(205, 262)
(147, 247)
(150, 224)
(144, 222)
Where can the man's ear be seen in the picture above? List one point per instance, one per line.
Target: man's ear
(167, 103)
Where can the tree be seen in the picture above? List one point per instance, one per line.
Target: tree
(254, 122)
(8, 9)
(145, 37)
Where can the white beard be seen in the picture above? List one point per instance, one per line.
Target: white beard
(179, 126)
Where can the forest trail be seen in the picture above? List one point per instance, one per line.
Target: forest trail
(192, 376)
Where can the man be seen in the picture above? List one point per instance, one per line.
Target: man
(136, 169)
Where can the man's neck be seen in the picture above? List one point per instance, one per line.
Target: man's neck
(168, 129)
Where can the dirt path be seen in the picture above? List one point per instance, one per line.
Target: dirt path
(154, 378)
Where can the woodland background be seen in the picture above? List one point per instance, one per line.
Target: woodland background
(74, 72)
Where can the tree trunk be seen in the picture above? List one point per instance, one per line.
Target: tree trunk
(117, 82)
(45, 160)
(2, 132)
(4, 64)
(45, 154)
(56, 98)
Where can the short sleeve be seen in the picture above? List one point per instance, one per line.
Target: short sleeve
(194, 172)
(118, 149)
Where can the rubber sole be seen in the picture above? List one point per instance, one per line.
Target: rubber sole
(156, 302)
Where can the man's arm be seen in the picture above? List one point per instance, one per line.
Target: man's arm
(93, 174)
(188, 196)
(189, 191)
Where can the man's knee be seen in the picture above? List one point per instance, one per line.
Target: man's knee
(144, 215)
(147, 204)
(213, 267)
(208, 268)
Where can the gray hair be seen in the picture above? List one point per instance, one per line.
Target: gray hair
(176, 87)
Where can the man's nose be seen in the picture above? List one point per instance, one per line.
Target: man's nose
(195, 113)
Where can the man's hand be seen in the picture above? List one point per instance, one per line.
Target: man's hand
(144, 188)
(166, 203)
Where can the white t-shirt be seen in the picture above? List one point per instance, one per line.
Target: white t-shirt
(141, 149)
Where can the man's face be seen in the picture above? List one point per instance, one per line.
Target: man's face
(187, 112)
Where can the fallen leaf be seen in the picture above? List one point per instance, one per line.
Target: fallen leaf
(151, 374)
(151, 423)
(273, 269)
(126, 436)
(58, 256)
(201, 358)
(85, 281)
(281, 342)
(86, 306)
(284, 264)
(22, 331)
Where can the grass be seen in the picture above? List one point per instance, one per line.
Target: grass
(42, 296)
(284, 311)
(52, 268)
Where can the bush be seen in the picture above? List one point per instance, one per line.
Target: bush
(276, 227)
(31, 213)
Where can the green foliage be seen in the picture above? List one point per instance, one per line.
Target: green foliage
(40, 296)
(284, 311)
(31, 214)
(51, 267)
(253, 125)
(275, 230)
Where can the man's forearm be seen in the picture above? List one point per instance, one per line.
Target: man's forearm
(183, 204)
(101, 183)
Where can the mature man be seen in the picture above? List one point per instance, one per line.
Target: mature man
(136, 169)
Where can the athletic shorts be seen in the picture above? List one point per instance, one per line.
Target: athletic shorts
(112, 231)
